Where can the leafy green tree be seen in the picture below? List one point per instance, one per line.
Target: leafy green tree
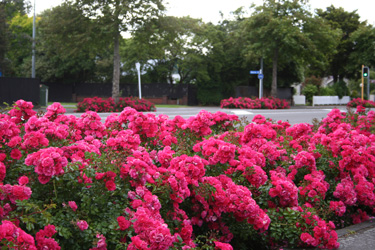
(116, 16)
(167, 46)
(275, 31)
(285, 32)
(68, 44)
(184, 46)
(20, 44)
(8, 9)
(347, 22)
(363, 49)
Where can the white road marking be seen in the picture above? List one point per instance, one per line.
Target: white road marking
(241, 112)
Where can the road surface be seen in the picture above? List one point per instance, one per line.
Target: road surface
(293, 115)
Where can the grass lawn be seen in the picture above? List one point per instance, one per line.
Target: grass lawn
(65, 103)
(170, 106)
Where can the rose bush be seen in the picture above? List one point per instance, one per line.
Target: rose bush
(98, 104)
(141, 181)
(255, 103)
(359, 102)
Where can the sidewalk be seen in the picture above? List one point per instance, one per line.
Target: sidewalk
(359, 237)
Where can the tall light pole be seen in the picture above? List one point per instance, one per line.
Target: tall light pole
(138, 66)
(33, 48)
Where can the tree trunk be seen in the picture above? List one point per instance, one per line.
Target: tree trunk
(274, 73)
(116, 68)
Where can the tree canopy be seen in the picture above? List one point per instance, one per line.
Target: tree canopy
(100, 41)
(116, 16)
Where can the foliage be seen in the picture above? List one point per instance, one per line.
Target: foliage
(20, 44)
(98, 104)
(146, 181)
(347, 22)
(309, 91)
(68, 46)
(364, 50)
(8, 10)
(284, 32)
(248, 103)
(177, 45)
(341, 88)
(116, 16)
(317, 81)
(327, 91)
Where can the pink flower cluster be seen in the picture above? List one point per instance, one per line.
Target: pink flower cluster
(98, 104)
(151, 230)
(256, 103)
(284, 189)
(45, 240)
(15, 238)
(359, 102)
(48, 162)
(21, 111)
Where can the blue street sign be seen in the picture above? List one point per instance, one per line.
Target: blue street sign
(260, 76)
(254, 72)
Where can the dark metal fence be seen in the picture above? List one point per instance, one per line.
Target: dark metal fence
(65, 92)
(13, 89)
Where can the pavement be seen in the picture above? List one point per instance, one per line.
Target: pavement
(360, 236)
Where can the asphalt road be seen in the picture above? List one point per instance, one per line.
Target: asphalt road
(293, 115)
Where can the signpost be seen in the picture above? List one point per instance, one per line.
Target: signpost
(260, 77)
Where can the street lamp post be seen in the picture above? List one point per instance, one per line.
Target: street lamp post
(138, 66)
(33, 48)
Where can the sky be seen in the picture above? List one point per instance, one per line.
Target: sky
(209, 10)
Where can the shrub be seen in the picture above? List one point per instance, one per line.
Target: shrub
(248, 103)
(309, 91)
(359, 102)
(98, 104)
(327, 91)
(142, 181)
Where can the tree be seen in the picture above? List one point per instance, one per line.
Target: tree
(67, 46)
(284, 32)
(275, 31)
(166, 46)
(363, 49)
(118, 16)
(8, 9)
(19, 52)
(347, 22)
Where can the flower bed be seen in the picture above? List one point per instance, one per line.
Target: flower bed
(359, 102)
(248, 103)
(142, 181)
(98, 104)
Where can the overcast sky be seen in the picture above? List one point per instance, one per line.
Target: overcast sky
(209, 10)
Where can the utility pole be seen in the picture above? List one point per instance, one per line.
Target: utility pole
(368, 84)
(138, 66)
(33, 48)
